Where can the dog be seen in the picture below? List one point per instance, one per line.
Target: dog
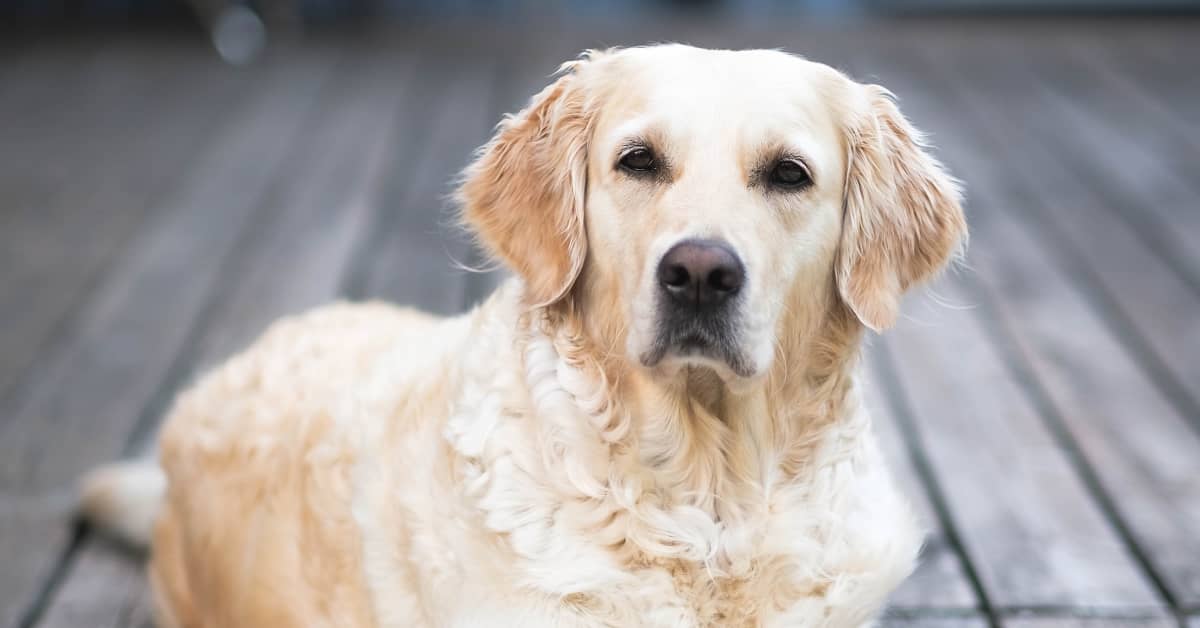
(655, 422)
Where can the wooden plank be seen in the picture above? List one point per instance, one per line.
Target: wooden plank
(939, 581)
(1147, 78)
(1152, 74)
(112, 163)
(315, 214)
(1147, 173)
(1147, 305)
(89, 392)
(179, 248)
(414, 255)
(45, 77)
(322, 211)
(56, 99)
(1091, 384)
(42, 146)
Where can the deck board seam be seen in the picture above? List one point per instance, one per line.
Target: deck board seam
(902, 409)
(1017, 364)
(63, 563)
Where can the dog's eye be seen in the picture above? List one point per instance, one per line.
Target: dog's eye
(789, 173)
(638, 160)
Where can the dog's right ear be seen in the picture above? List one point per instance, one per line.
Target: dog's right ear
(903, 219)
(524, 194)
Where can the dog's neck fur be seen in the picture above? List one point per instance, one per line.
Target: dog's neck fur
(652, 470)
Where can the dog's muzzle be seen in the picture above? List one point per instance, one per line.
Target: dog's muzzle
(699, 282)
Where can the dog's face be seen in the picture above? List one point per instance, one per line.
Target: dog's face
(703, 201)
(714, 188)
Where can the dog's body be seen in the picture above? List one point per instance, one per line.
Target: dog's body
(565, 455)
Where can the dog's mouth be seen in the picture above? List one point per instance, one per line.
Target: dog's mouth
(695, 343)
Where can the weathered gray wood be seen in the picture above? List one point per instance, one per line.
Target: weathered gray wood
(103, 185)
(1148, 76)
(1148, 305)
(54, 243)
(56, 127)
(45, 171)
(939, 581)
(415, 255)
(86, 395)
(141, 613)
(164, 272)
(1151, 74)
(1146, 172)
(1027, 521)
(1147, 468)
(317, 210)
(1087, 622)
(1092, 384)
(25, 93)
(320, 210)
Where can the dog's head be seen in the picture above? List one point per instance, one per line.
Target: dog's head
(696, 202)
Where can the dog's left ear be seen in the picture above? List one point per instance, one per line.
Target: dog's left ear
(903, 220)
(524, 194)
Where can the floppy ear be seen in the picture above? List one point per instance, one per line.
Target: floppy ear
(524, 194)
(902, 222)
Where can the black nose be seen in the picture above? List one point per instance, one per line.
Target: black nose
(701, 273)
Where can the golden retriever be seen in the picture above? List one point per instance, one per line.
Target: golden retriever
(655, 423)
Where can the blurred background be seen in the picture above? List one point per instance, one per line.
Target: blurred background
(174, 175)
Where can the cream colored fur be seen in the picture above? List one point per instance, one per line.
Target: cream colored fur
(364, 465)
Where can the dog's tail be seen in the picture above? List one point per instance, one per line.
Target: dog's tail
(123, 499)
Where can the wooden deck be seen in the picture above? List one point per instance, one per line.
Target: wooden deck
(1042, 406)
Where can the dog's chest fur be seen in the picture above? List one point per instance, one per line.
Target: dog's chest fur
(610, 519)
